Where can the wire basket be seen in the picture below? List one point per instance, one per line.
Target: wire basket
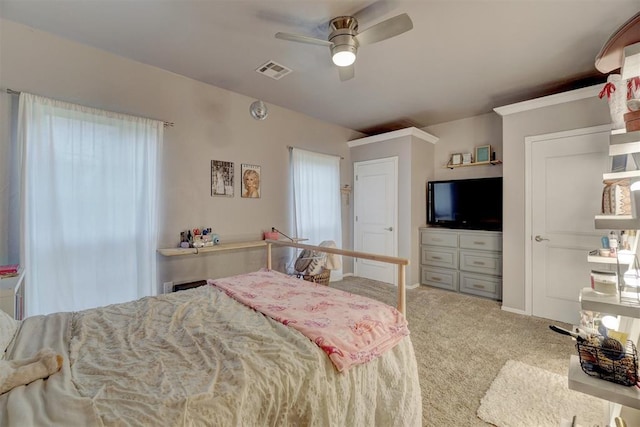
(321, 278)
(618, 366)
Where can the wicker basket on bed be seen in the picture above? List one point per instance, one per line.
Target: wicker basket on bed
(321, 278)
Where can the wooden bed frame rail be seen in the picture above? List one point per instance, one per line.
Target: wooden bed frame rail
(400, 262)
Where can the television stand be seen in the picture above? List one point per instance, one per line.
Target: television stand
(460, 260)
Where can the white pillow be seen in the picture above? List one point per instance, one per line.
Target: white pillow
(8, 328)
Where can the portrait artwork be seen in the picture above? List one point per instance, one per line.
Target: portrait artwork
(250, 181)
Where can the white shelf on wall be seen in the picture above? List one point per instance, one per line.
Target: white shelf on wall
(612, 176)
(464, 165)
(215, 248)
(624, 143)
(616, 222)
(590, 300)
(579, 381)
(232, 246)
(622, 259)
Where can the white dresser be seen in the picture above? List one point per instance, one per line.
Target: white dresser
(466, 261)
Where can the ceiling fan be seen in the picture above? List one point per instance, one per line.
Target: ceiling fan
(344, 39)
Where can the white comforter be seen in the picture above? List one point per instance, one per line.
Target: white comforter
(198, 357)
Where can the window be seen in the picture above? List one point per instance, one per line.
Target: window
(89, 207)
(316, 198)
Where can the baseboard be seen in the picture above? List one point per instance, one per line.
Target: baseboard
(347, 274)
(514, 310)
(414, 286)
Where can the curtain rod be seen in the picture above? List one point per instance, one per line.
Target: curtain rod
(164, 123)
(289, 147)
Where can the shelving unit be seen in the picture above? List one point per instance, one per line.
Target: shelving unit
(492, 163)
(619, 396)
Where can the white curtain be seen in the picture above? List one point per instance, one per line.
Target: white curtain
(316, 198)
(89, 206)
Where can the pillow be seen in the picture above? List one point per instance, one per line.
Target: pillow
(8, 328)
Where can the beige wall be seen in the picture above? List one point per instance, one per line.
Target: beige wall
(210, 123)
(556, 118)
(462, 136)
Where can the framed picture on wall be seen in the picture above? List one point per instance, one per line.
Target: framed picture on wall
(483, 154)
(221, 178)
(250, 181)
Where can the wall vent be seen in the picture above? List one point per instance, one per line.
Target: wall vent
(274, 70)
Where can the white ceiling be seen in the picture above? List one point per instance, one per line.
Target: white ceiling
(462, 58)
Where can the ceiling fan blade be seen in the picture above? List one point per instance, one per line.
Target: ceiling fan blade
(347, 73)
(385, 29)
(303, 39)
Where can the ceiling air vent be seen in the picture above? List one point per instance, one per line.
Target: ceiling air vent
(273, 69)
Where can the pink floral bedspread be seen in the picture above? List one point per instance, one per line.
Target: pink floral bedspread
(351, 329)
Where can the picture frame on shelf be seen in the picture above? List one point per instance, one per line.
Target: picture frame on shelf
(483, 154)
(467, 159)
(456, 159)
(619, 163)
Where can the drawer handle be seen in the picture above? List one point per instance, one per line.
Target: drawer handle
(479, 243)
(478, 263)
(436, 257)
(436, 279)
(478, 286)
(436, 239)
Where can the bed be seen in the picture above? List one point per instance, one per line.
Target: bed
(202, 357)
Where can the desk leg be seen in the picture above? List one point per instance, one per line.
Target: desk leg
(268, 256)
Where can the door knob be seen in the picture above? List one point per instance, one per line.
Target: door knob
(389, 228)
(540, 238)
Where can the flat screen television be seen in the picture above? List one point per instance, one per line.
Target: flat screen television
(474, 204)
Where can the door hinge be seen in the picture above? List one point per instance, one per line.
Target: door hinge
(356, 218)
(356, 177)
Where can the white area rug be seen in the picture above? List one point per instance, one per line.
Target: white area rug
(523, 395)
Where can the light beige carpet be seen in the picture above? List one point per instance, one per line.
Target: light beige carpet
(461, 344)
(523, 395)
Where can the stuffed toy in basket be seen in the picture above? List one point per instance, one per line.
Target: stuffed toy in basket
(315, 266)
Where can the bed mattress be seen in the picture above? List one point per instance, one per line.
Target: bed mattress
(198, 357)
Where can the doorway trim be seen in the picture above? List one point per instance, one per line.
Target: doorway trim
(528, 191)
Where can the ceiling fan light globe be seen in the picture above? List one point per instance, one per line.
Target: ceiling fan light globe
(344, 58)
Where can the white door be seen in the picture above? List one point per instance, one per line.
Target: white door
(375, 212)
(566, 193)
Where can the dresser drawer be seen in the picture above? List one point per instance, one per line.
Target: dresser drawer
(441, 278)
(481, 262)
(484, 242)
(439, 238)
(485, 286)
(439, 257)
